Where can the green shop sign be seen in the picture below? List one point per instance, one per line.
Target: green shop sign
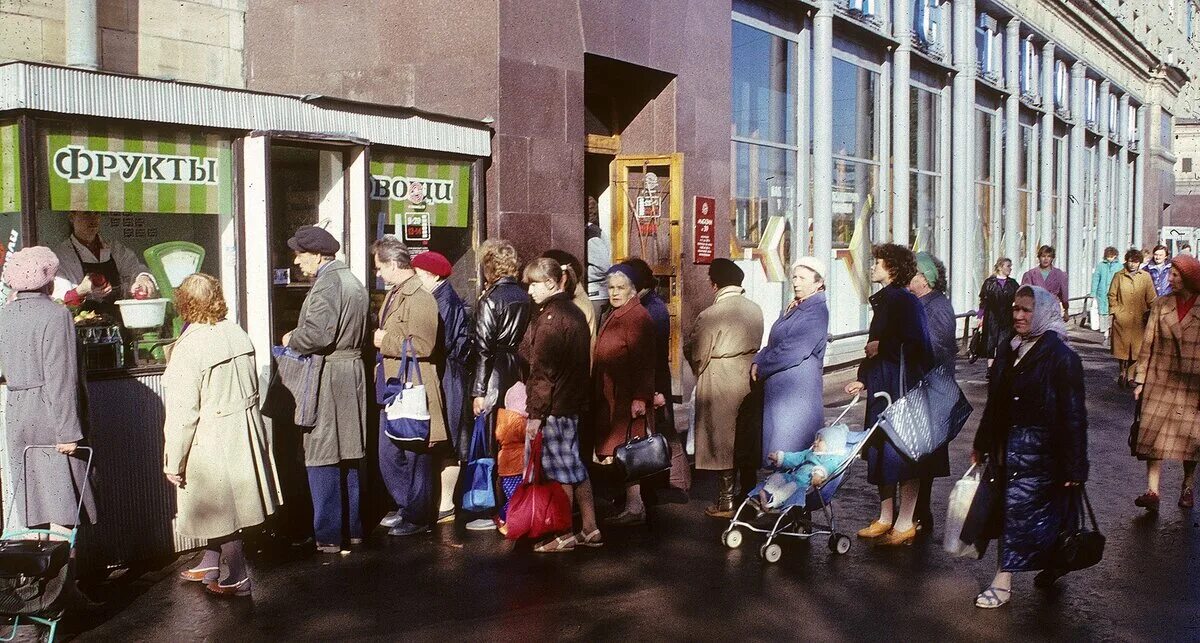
(167, 173)
(411, 192)
(10, 168)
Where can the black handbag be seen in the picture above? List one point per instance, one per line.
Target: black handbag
(984, 518)
(1080, 545)
(643, 457)
(975, 346)
(1135, 428)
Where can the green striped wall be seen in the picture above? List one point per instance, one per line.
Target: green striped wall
(455, 214)
(10, 168)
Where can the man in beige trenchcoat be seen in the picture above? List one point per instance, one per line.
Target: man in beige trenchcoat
(1130, 296)
(721, 349)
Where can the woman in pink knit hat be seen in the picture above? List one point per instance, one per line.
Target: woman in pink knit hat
(38, 358)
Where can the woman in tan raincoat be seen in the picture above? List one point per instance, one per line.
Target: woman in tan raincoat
(1130, 296)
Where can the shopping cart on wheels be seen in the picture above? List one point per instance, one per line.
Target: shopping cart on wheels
(34, 563)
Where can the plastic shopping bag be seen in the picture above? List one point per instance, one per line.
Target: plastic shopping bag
(961, 497)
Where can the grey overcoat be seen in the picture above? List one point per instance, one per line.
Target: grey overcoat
(333, 323)
(39, 360)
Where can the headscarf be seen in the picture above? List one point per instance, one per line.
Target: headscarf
(30, 268)
(1047, 315)
(927, 267)
(1189, 268)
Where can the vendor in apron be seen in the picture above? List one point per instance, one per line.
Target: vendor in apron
(95, 272)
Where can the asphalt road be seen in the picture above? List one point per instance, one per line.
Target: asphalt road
(673, 580)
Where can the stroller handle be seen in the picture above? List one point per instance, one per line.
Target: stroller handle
(857, 397)
(885, 395)
(87, 474)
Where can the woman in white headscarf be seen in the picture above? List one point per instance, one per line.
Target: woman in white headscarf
(1034, 436)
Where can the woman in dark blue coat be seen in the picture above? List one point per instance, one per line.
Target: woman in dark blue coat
(898, 355)
(1034, 432)
(995, 308)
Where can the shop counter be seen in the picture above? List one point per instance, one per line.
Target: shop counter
(135, 504)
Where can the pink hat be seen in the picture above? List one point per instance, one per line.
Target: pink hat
(514, 399)
(30, 268)
(434, 262)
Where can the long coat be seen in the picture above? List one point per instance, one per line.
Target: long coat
(333, 323)
(453, 359)
(791, 368)
(1129, 300)
(943, 337)
(1034, 428)
(899, 325)
(622, 371)
(1102, 279)
(721, 348)
(996, 300)
(39, 358)
(214, 434)
(411, 312)
(1169, 368)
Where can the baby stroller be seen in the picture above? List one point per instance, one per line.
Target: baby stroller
(795, 517)
(34, 573)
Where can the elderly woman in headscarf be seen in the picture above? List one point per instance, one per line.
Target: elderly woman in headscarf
(40, 363)
(1033, 436)
(1168, 384)
(623, 379)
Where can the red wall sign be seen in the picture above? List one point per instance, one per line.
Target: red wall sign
(705, 234)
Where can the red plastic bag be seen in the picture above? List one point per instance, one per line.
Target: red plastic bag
(537, 508)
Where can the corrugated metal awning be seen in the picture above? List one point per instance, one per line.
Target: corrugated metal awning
(66, 90)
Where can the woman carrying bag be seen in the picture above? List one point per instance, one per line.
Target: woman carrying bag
(1034, 424)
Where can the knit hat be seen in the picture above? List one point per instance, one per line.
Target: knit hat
(310, 238)
(30, 269)
(813, 264)
(433, 262)
(1189, 268)
(625, 269)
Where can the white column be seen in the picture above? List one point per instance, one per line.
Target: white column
(358, 178)
(83, 34)
(1046, 203)
(1076, 240)
(1104, 226)
(800, 225)
(1012, 140)
(256, 198)
(1139, 177)
(822, 136)
(1124, 232)
(964, 261)
(901, 68)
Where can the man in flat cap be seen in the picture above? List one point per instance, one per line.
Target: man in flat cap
(721, 348)
(333, 323)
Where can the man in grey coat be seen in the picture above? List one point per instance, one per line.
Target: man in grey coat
(333, 323)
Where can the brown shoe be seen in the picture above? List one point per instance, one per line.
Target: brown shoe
(715, 511)
(874, 530)
(895, 538)
(200, 574)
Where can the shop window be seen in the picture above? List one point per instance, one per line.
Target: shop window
(117, 204)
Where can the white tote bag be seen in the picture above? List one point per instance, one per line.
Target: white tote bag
(407, 412)
(956, 513)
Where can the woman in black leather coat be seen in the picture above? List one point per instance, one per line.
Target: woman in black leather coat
(501, 317)
(1034, 433)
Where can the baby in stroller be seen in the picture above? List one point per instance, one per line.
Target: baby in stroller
(801, 471)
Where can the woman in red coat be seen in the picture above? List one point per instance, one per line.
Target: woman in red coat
(623, 379)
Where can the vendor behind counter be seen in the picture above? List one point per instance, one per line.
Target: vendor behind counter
(94, 272)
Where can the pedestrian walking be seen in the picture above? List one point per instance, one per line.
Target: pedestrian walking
(898, 355)
(623, 379)
(451, 357)
(721, 349)
(680, 478)
(1168, 384)
(333, 323)
(1159, 268)
(929, 286)
(1102, 278)
(216, 450)
(791, 365)
(1033, 434)
(41, 368)
(1130, 297)
(995, 308)
(557, 348)
(1045, 275)
(501, 318)
(409, 315)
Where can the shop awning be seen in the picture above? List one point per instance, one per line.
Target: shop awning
(71, 91)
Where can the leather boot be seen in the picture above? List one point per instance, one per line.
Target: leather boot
(724, 505)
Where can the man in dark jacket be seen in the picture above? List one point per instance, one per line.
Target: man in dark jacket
(333, 323)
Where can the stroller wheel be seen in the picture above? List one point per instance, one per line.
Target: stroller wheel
(771, 552)
(732, 538)
(839, 543)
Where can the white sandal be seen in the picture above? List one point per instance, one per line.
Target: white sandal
(989, 598)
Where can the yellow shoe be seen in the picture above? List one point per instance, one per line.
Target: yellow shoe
(874, 530)
(895, 538)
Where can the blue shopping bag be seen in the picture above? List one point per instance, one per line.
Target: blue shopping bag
(405, 405)
(481, 467)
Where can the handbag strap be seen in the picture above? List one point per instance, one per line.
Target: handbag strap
(1088, 503)
(533, 459)
(409, 364)
(478, 441)
(629, 426)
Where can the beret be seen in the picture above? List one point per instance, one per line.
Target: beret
(310, 238)
(724, 272)
(433, 262)
(31, 268)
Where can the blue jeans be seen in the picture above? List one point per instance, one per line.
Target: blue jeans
(335, 498)
(408, 476)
